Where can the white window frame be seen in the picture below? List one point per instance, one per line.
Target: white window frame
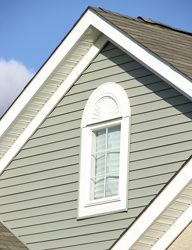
(89, 207)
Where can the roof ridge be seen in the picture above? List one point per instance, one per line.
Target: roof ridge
(153, 22)
(145, 20)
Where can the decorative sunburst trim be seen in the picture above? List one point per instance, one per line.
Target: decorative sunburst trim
(105, 108)
(108, 101)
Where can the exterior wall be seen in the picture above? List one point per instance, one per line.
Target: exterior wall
(39, 190)
(184, 241)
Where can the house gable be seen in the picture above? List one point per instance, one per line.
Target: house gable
(42, 180)
(32, 106)
(160, 137)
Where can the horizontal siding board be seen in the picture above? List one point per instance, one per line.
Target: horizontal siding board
(160, 104)
(160, 160)
(39, 190)
(109, 46)
(38, 193)
(154, 171)
(149, 181)
(144, 77)
(79, 240)
(37, 220)
(39, 202)
(156, 152)
(49, 156)
(76, 231)
(149, 134)
(151, 88)
(50, 220)
(48, 148)
(94, 246)
(66, 109)
(56, 128)
(140, 202)
(63, 135)
(39, 184)
(144, 191)
(52, 173)
(165, 117)
(30, 169)
(162, 141)
(108, 63)
(65, 225)
(161, 112)
(151, 97)
(109, 71)
(63, 118)
(105, 55)
(72, 98)
(15, 168)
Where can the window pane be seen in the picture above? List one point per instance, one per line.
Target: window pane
(100, 152)
(100, 140)
(112, 163)
(113, 150)
(112, 183)
(105, 162)
(100, 164)
(113, 141)
(97, 187)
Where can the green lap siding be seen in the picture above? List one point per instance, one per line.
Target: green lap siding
(39, 189)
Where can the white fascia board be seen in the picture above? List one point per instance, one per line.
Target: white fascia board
(155, 209)
(175, 230)
(56, 97)
(45, 72)
(147, 58)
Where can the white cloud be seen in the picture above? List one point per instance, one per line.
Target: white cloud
(13, 77)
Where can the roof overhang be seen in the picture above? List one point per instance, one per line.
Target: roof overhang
(57, 76)
(165, 218)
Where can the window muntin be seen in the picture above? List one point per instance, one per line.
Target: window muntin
(105, 162)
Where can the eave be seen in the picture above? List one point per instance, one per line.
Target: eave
(77, 48)
(80, 47)
(164, 219)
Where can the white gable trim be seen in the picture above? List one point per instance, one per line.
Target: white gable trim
(46, 70)
(120, 39)
(174, 231)
(156, 208)
(145, 57)
(65, 86)
(136, 50)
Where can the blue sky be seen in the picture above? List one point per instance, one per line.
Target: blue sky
(31, 29)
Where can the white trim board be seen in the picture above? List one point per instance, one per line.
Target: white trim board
(137, 51)
(174, 231)
(156, 208)
(150, 60)
(65, 86)
(63, 50)
(120, 39)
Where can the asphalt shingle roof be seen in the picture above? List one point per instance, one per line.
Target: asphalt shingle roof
(170, 44)
(9, 241)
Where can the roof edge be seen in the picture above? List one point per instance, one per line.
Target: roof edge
(154, 210)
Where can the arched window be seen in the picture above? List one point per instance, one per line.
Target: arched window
(104, 151)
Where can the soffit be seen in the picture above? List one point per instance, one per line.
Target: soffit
(48, 88)
(164, 222)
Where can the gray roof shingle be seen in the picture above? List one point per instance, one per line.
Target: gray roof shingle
(170, 44)
(9, 241)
